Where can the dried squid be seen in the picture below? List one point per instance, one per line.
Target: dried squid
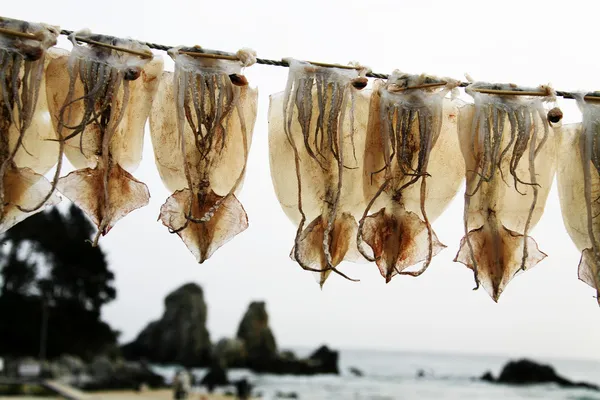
(201, 127)
(509, 151)
(411, 171)
(99, 99)
(579, 189)
(25, 152)
(316, 144)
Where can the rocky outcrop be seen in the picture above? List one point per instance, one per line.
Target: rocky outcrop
(488, 377)
(120, 375)
(259, 342)
(326, 360)
(256, 348)
(527, 372)
(216, 376)
(231, 352)
(101, 373)
(180, 336)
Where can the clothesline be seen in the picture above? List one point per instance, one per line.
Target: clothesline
(201, 121)
(500, 90)
(493, 89)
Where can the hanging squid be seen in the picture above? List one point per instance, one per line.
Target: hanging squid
(579, 188)
(26, 153)
(509, 151)
(201, 127)
(100, 98)
(412, 171)
(316, 142)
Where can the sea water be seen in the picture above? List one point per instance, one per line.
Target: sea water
(395, 375)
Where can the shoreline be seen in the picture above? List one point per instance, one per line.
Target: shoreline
(159, 394)
(152, 394)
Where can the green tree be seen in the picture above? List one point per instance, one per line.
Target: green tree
(48, 265)
(19, 275)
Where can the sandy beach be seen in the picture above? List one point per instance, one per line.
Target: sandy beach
(130, 395)
(153, 394)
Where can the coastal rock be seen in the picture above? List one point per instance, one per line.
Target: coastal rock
(286, 395)
(231, 352)
(121, 376)
(527, 372)
(243, 388)
(288, 364)
(254, 331)
(326, 360)
(487, 377)
(322, 361)
(216, 376)
(261, 355)
(288, 355)
(180, 336)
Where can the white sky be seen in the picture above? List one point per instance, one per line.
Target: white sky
(544, 312)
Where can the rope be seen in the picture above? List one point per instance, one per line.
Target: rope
(377, 75)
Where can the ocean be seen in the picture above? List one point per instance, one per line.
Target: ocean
(393, 375)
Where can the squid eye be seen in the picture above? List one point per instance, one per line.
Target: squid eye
(238, 80)
(360, 83)
(131, 74)
(30, 53)
(555, 115)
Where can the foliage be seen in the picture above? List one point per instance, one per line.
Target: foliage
(49, 268)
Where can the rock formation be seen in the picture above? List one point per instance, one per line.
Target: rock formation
(256, 348)
(119, 375)
(231, 352)
(180, 336)
(527, 372)
(254, 331)
(325, 361)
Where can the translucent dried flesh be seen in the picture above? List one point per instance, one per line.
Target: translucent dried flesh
(22, 65)
(100, 100)
(126, 145)
(208, 171)
(412, 170)
(342, 243)
(39, 150)
(125, 194)
(283, 175)
(331, 197)
(203, 239)
(578, 189)
(509, 151)
(23, 188)
(24, 122)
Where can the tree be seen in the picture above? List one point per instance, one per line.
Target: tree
(19, 275)
(49, 264)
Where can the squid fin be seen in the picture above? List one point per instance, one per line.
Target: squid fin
(498, 254)
(204, 238)
(24, 188)
(398, 241)
(588, 270)
(341, 245)
(85, 187)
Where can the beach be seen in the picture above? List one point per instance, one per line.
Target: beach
(163, 394)
(153, 394)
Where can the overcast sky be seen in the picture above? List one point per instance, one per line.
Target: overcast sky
(544, 312)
